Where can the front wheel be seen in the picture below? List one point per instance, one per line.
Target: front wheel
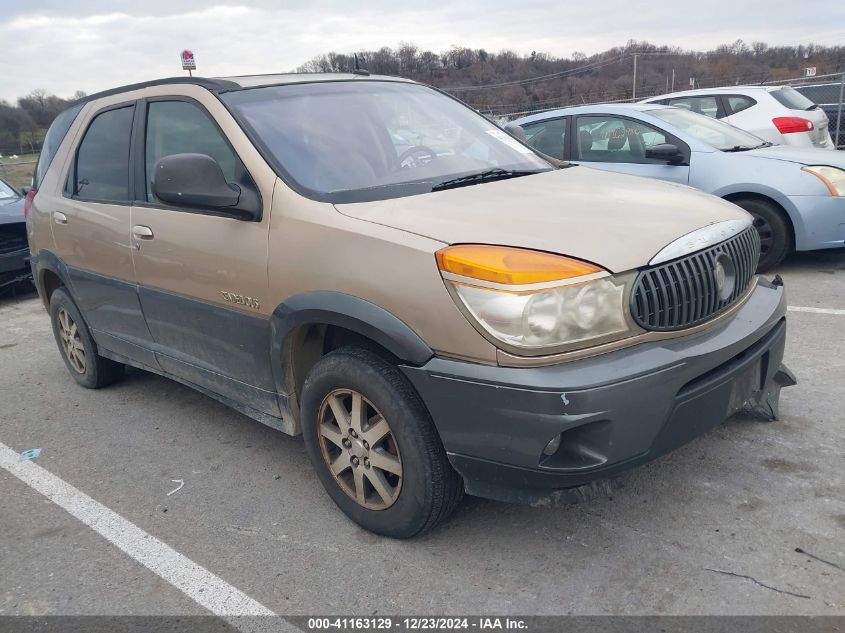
(773, 229)
(374, 446)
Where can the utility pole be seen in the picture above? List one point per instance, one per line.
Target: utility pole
(673, 80)
(634, 89)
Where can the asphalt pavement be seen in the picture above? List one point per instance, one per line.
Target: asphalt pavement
(709, 529)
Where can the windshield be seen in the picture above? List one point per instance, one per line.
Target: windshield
(354, 141)
(6, 191)
(715, 133)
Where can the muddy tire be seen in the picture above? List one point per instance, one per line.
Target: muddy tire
(374, 445)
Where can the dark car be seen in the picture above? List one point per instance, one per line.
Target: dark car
(14, 250)
(826, 96)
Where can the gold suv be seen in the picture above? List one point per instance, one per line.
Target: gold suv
(435, 306)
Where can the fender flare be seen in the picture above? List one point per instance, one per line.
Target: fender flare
(346, 311)
(757, 189)
(48, 261)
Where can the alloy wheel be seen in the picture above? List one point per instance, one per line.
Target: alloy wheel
(71, 341)
(359, 449)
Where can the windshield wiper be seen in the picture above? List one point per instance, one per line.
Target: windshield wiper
(744, 148)
(488, 175)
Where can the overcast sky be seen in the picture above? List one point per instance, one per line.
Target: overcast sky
(91, 45)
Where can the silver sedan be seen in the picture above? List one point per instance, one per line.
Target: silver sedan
(796, 195)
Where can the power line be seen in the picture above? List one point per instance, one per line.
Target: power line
(562, 73)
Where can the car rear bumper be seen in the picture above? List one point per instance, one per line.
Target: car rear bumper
(822, 222)
(612, 412)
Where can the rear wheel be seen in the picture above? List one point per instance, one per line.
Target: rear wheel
(374, 446)
(774, 231)
(78, 349)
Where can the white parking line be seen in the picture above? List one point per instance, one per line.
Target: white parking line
(199, 584)
(816, 310)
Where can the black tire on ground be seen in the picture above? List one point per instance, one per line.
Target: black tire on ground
(774, 230)
(430, 489)
(98, 371)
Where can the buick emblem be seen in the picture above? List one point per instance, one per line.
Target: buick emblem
(719, 274)
(724, 275)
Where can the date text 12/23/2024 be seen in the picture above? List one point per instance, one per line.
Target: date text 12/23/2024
(416, 623)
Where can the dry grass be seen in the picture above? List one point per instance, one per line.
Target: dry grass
(18, 175)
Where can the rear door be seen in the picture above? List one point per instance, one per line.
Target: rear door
(202, 277)
(616, 143)
(91, 232)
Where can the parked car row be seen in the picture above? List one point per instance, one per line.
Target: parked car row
(795, 194)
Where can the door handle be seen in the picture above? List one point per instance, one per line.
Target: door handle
(59, 217)
(142, 232)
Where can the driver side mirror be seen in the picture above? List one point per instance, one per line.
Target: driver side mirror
(516, 131)
(665, 151)
(197, 181)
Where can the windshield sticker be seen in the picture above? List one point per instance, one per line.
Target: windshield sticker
(510, 141)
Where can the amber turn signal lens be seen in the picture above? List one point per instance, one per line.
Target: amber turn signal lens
(512, 266)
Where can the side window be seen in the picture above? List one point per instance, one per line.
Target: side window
(179, 127)
(702, 105)
(738, 103)
(101, 169)
(608, 139)
(548, 137)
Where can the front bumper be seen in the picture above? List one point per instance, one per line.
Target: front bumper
(14, 265)
(820, 222)
(614, 411)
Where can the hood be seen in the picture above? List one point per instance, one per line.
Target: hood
(11, 210)
(800, 155)
(616, 221)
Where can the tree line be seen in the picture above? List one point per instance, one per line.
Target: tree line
(505, 81)
(22, 125)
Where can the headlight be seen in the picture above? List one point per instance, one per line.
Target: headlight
(535, 302)
(832, 177)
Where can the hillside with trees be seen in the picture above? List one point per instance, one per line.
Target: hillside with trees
(506, 82)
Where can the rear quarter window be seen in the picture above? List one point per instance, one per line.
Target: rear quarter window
(55, 135)
(792, 99)
(738, 103)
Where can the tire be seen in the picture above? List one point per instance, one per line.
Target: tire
(774, 230)
(428, 489)
(85, 365)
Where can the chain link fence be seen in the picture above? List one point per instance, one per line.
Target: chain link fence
(824, 90)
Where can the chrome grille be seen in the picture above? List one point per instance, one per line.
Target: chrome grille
(685, 292)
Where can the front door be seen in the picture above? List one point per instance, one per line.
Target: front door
(202, 277)
(615, 143)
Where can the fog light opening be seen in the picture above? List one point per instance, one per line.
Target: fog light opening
(552, 446)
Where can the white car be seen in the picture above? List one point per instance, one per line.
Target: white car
(778, 114)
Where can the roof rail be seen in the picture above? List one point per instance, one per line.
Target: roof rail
(210, 84)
